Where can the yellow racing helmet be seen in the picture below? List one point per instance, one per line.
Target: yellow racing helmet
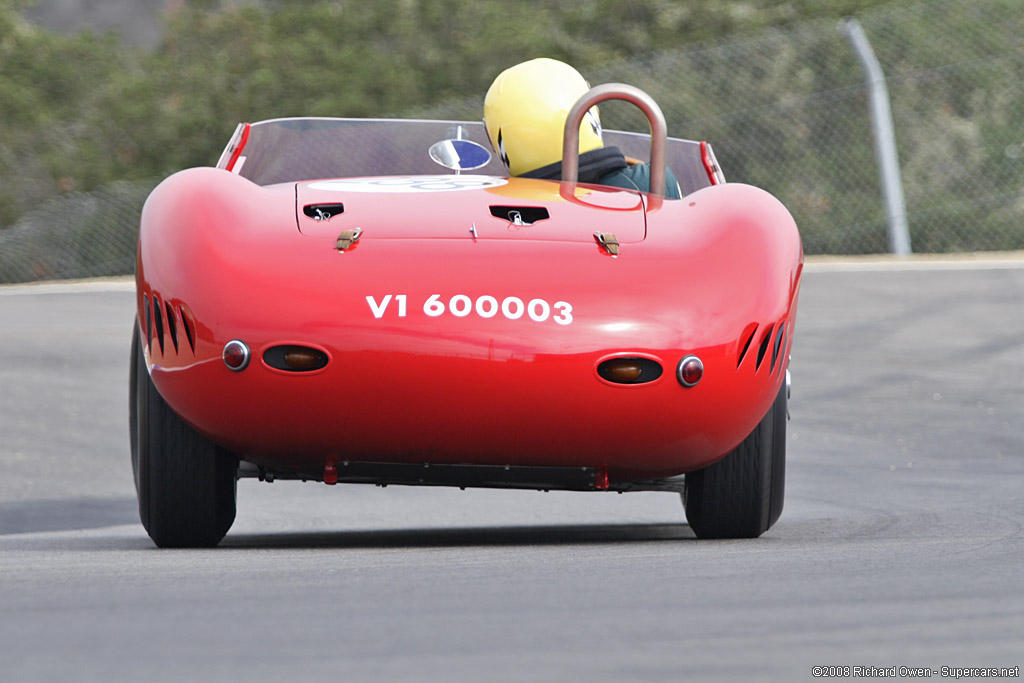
(525, 110)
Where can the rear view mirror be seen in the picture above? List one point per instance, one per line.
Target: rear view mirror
(460, 155)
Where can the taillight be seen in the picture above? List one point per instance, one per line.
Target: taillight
(690, 371)
(236, 355)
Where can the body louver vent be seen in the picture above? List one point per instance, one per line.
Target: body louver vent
(189, 326)
(766, 339)
(780, 337)
(748, 337)
(172, 325)
(169, 324)
(158, 321)
(149, 321)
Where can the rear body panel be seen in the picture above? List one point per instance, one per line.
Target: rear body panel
(457, 335)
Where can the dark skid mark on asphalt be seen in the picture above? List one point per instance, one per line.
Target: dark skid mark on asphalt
(66, 514)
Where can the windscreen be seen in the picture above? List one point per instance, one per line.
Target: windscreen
(297, 149)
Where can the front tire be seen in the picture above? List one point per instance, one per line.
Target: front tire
(186, 484)
(741, 495)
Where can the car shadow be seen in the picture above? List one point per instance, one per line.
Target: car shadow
(84, 513)
(465, 537)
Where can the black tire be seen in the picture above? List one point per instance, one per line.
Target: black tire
(185, 483)
(741, 495)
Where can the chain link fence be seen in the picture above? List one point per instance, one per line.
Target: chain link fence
(786, 110)
(76, 235)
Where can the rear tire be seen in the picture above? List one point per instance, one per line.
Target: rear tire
(186, 484)
(741, 495)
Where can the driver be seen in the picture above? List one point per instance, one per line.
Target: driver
(524, 113)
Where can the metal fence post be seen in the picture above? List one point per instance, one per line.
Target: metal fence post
(885, 138)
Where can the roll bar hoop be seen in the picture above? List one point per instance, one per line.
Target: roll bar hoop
(627, 93)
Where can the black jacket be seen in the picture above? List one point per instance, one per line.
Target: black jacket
(608, 166)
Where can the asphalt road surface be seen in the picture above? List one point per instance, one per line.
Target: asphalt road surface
(900, 545)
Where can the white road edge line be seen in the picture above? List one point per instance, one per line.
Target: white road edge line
(69, 287)
(875, 265)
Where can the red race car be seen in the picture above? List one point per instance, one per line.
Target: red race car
(330, 304)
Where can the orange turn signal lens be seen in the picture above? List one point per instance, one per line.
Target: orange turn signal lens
(623, 370)
(299, 358)
(626, 370)
(295, 358)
